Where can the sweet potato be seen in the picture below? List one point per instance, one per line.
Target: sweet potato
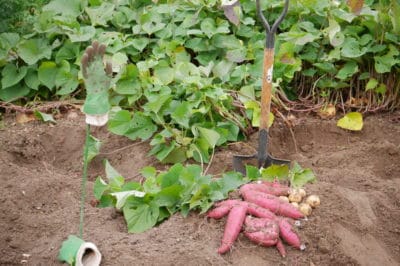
(287, 233)
(260, 212)
(233, 226)
(281, 248)
(272, 203)
(262, 231)
(269, 189)
(229, 202)
(219, 212)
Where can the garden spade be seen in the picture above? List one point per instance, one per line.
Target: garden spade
(263, 157)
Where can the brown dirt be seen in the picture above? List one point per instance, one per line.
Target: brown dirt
(358, 182)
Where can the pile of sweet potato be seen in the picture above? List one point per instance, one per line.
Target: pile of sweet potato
(263, 216)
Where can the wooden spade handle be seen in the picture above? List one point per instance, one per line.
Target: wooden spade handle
(266, 88)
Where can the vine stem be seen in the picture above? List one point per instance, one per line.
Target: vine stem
(84, 180)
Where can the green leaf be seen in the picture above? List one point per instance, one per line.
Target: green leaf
(32, 80)
(348, 70)
(300, 176)
(148, 172)
(68, 51)
(273, 172)
(12, 75)
(46, 74)
(171, 177)
(100, 15)
(208, 27)
(372, 83)
(33, 50)
(182, 114)
(210, 135)
(94, 145)
(140, 43)
(66, 78)
(122, 196)
(120, 123)
(164, 74)
(13, 93)
(141, 218)
(169, 196)
(351, 48)
(351, 121)
(69, 249)
(141, 127)
(83, 34)
(111, 173)
(44, 117)
(384, 64)
(65, 8)
(252, 172)
(230, 181)
(100, 186)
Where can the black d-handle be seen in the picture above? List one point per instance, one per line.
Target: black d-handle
(271, 30)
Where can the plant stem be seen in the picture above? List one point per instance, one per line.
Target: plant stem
(84, 180)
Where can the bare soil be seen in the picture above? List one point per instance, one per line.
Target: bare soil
(358, 183)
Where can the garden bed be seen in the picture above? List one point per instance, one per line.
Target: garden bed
(358, 183)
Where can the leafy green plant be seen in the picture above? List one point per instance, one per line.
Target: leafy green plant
(189, 79)
(296, 175)
(180, 189)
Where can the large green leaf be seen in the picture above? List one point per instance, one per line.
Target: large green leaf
(120, 123)
(47, 73)
(100, 15)
(12, 75)
(33, 50)
(351, 48)
(182, 114)
(141, 218)
(13, 93)
(83, 34)
(141, 127)
(164, 74)
(348, 70)
(65, 8)
(211, 136)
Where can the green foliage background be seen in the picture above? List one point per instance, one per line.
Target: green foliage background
(188, 78)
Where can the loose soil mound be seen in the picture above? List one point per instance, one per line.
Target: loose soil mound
(358, 182)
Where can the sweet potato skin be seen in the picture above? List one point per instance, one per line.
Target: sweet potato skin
(262, 231)
(287, 233)
(233, 227)
(272, 203)
(281, 248)
(260, 212)
(268, 188)
(219, 212)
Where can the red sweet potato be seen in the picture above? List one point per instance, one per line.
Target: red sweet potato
(287, 233)
(262, 231)
(271, 189)
(219, 212)
(260, 212)
(281, 248)
(230, 202)
(233, 226)
(272, 203)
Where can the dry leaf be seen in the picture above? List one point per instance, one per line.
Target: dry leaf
(327, 112)
(22, 118)
(355, 6)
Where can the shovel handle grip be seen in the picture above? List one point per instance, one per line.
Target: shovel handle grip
(266, 88)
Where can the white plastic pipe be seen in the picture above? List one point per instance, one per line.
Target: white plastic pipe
(88, 255)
